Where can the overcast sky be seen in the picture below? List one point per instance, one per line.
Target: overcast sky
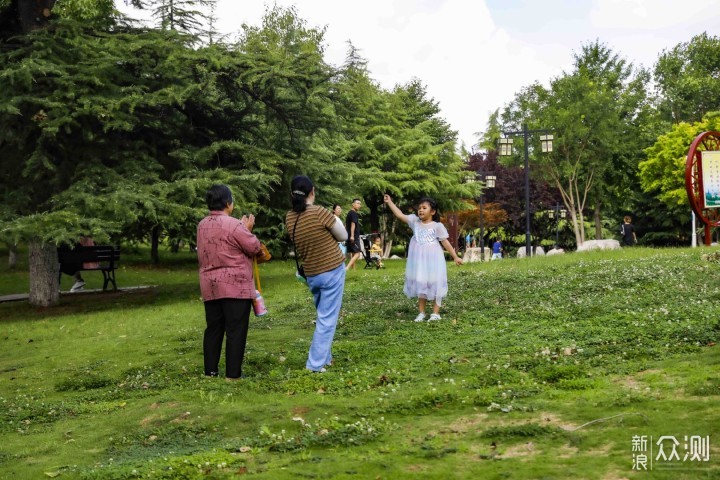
(474, 55)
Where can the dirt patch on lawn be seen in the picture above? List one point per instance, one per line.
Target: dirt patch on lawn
(630, 383)
(464, 424)
(636, 381)
(152, 419)
(297, 411)
(516, 451)
(556, 421)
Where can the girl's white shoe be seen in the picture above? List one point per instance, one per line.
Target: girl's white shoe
(434, 316)
(420, 317)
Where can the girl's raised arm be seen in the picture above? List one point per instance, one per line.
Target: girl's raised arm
(396, 211)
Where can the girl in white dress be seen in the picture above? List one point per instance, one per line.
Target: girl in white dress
(426, 273)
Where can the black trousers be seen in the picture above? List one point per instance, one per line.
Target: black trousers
(230, 318)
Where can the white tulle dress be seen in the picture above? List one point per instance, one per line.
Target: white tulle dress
(426, 270)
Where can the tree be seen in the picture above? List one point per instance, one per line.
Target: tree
(398, 143)
(90, 128)
(688, 79)
(593, 112)
(489, 139)
(663, 173)
(117, 132)
(72, 101)
(418, 110)
(509, 181)
(185, 16)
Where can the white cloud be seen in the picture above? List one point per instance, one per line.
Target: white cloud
(651, 15)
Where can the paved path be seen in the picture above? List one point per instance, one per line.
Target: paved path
(24, 296)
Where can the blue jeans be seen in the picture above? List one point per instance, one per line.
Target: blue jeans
(327, 289)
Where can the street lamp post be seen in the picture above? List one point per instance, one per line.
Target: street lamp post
(489, 183)
(506, 149)
(558, 213)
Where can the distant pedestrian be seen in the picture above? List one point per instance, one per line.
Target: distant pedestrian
(497, 250)
(426, 272)
(627, 231)
(75, 268)
(352, 225)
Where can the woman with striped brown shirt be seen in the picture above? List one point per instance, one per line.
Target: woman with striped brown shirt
(315, 232)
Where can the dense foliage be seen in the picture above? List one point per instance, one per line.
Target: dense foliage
(116, 132)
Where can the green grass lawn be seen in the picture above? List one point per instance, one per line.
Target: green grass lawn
(540, 368)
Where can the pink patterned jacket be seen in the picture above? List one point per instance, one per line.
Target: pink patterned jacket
(226, 249)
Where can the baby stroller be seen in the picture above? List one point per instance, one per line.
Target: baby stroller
(365, 244)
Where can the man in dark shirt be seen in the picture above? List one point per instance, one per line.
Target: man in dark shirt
(352, 225)
(628, 233)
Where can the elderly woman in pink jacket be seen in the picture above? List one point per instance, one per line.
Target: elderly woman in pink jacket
(226, 248)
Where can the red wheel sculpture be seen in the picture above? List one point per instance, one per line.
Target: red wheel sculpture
(706, 141)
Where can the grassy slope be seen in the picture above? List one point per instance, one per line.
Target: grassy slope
(110, 385)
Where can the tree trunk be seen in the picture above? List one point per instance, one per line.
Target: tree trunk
(576, 227)
(374, 204)
(154, 244)
(12, 255)
(598, 225)
(388, 248)
(44, 274)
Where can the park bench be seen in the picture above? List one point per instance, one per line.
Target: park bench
(104, 256)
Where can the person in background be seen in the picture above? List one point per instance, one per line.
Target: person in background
(426, 272)
(74, 270)
(497, 250)
(226, 247)
(352, 225)
(627, 231)
(461, 243)
(315, 232)
(337, 211)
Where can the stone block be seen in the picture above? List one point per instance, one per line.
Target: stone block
(473, 255)
(608, 244)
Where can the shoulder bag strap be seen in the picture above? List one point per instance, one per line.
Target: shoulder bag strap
(293, 240)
